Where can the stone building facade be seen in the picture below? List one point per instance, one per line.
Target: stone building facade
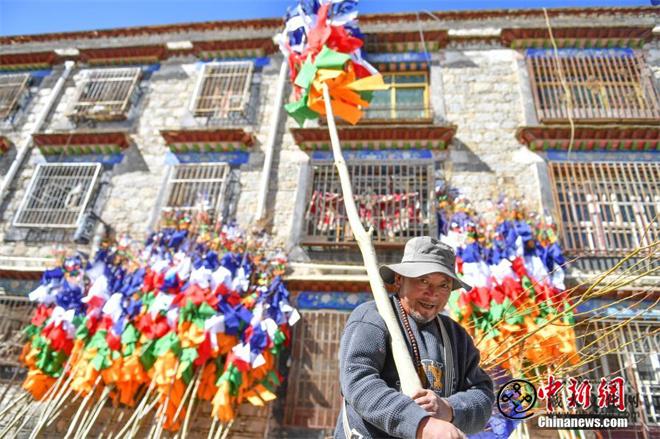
(468, 109)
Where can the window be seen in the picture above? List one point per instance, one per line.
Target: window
(197, 186)
(393, 198)
(223, 90)
(16, 314)
(58, 195)
(607, 208)
(313, 395)
(407, 98)
(631, 351)
(11, 88)
(105, 94)
(607, 84)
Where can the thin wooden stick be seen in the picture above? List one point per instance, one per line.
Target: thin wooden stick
(13, 406)
(137, 410)
(84, 402)
(187, 393)
(184, 430)
(410, 382)
(95, 414)
(214, 423)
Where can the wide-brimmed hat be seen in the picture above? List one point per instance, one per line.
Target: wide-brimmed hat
(424, 255)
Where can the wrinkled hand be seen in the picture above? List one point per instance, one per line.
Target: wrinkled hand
(432, 428)
(430, 401)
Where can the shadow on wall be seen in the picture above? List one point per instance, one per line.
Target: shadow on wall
(457, 60)
(133, 161)
(463, 159)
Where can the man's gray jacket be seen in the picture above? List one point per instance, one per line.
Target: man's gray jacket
(369, 381)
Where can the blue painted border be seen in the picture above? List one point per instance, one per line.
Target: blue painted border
(381, 154)
(235, 158)
(331, 300)
(399, 57)
(573, 52)
(258, 62)
(620, 310)
(604, 156)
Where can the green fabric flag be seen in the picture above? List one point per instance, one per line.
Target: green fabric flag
(496, 311)
(148, 299)
(168, 342)
(130, 335)
(82, 332)
(101, 360)
(147, 357)
(306, 74)
(300, 111)
(329, 59)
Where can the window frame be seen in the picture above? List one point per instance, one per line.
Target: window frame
(34, 182)
(14, 94)
(603, 228)
(200, 85)
(427, 222)
(220, 203)
(588, 70)
(393, 110)
(82, 109)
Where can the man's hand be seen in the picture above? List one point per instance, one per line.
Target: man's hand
(430, 401)
(432, 428)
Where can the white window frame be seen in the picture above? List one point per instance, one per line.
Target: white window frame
(24, 207)
(85, 110)
(215, 207)
(219, 113)
(12, 87)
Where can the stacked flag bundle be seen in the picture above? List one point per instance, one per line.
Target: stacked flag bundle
(205, 310)
(323, 44)
(518, 309)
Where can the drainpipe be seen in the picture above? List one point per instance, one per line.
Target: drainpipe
(270, 142)
(26, 146)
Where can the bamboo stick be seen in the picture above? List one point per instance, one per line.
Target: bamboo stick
(410, 382)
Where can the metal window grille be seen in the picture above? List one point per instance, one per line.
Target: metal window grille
(11, 87)
(631, 351)
(197, 187)
(607, 208)
(223, 89)
(406, 99)
(105, 94)
(393, 198)
(313, 395)
(15, 314)
(603, 86)
(58, 195)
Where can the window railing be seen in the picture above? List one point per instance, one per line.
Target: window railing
(630, 351)
(607, 208)
(223, 90)
(603, 85)
(105, 94)
(15, 314)
(197, 187)
(58, 195)
(393, 198)
(313, 394)
(11, 88)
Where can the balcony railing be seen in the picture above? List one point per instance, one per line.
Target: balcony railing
(603, 86)
(393, 198)
(607, 208)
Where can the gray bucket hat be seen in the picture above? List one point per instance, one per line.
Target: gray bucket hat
(424, 255)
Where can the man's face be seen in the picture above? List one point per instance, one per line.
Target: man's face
(425, 296)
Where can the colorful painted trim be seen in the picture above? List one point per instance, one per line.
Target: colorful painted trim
(123, 55)
(603, 156)
(201, 141)
(342, 301)
(591, 138)
(399, 42)
(5, 144)
(105, 159)
(376, 138)
(577, 37)
(222, 49)
(12, 62)
(81, 143)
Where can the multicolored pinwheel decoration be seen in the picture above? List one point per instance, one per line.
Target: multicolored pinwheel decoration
(323, 45)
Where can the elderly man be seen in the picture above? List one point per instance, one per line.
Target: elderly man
(457, 394)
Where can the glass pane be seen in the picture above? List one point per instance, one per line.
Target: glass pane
(415, 78)
(410, 103)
